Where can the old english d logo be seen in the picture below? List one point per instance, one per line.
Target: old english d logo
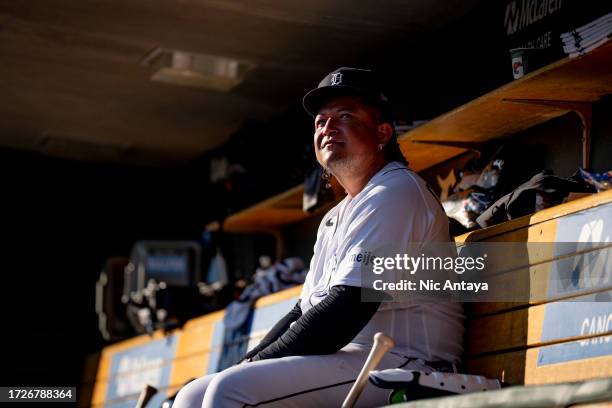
(336, 78)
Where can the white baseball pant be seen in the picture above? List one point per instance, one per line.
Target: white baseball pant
(297, 381)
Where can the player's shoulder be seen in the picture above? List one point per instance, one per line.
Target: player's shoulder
(396, 188)
(395, 180)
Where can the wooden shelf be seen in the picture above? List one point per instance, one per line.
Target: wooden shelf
(269, 215)
(582, 79)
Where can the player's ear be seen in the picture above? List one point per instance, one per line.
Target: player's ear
(385, 132)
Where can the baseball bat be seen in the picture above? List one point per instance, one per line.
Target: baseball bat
(382, 344)
(145, 395)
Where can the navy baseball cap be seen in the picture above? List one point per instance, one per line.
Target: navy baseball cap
(346, 81)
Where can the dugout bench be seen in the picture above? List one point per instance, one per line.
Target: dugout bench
(549, 340)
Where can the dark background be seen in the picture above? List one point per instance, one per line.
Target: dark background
(60, 220)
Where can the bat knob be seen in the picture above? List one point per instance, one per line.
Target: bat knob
(384, 340)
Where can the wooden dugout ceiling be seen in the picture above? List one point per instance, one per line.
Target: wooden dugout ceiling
(73, 86)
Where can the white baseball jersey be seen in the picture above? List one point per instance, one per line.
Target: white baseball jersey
(394, 208)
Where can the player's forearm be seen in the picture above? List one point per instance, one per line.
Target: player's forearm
(325, 328)
(277, 330)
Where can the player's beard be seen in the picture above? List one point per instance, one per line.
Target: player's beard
(346, 164)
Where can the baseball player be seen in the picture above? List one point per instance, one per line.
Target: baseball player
(312, 356)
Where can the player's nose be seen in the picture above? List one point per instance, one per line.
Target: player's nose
(329, 127)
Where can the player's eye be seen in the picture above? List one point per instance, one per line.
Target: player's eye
(345, 115)
(320, 123)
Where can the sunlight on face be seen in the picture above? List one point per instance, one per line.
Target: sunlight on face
(345, 133)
